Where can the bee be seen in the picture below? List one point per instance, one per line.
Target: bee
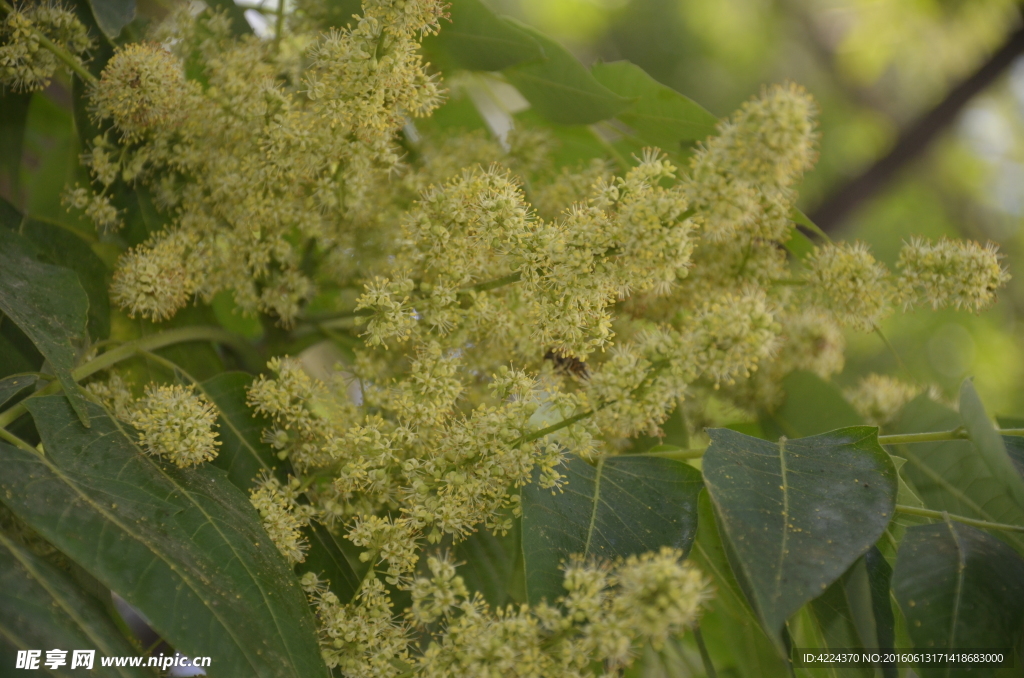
(567, 364)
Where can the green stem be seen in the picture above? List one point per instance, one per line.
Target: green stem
(493, 284)
(67, 57)
(128, 350)
(681, 455)
(959, 433)
(709, 668)
(942, 515)
(530, 437)
(16, 441)
(279, 26)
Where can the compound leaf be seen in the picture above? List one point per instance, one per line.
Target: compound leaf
(183, 546)
(622, 506)
(959, 588)
(796, 514)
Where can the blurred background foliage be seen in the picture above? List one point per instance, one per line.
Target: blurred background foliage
(874, 66)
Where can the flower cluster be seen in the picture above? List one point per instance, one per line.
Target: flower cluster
(27, 63)
(880, 398)
(498, 313)
(608, 613)
(283, 515)
(175, 422)
(957, 273)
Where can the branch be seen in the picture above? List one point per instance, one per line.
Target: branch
(914, 140)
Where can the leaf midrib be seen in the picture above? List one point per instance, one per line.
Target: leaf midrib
(593, 510)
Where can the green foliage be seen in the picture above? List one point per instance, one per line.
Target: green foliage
(182, 546)
(48, 304)
(959, 587)
(42, 607)
(560, 88)
(443, 513)
(796, 514)
(478, 40)
(621, 506)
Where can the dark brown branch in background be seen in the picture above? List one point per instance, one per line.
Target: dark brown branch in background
(845, 199)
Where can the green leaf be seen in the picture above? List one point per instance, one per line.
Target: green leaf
(827, 623)
(1015, 448)
(812, 406)
(243, 454)
(479, 40)
(15, 384)
(184, 546)
(560, 88)
(42, 608)
(49, 305)
(64, 248)
(989, 443)
(659, 115)
(959, 588)
(328, 560)
(729, 620)
(112, 15)
(491, 563)
(950, 475)
(796, 514)
(622, 506)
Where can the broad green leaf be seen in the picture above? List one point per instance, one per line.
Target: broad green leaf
(659, 115)
(989, 443)
(60, 246)
(622, 506)
(243, 454)
(49, 305)
(183, 546)
(112, 15)
(729, 621)
(559, 88)
(878, 572)
(959, 588)
(42, 608)
(327, 559)
(479, 40)
(812, 406)
(950, 475)
(15, 384)
(490, 563)
(797, 513)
